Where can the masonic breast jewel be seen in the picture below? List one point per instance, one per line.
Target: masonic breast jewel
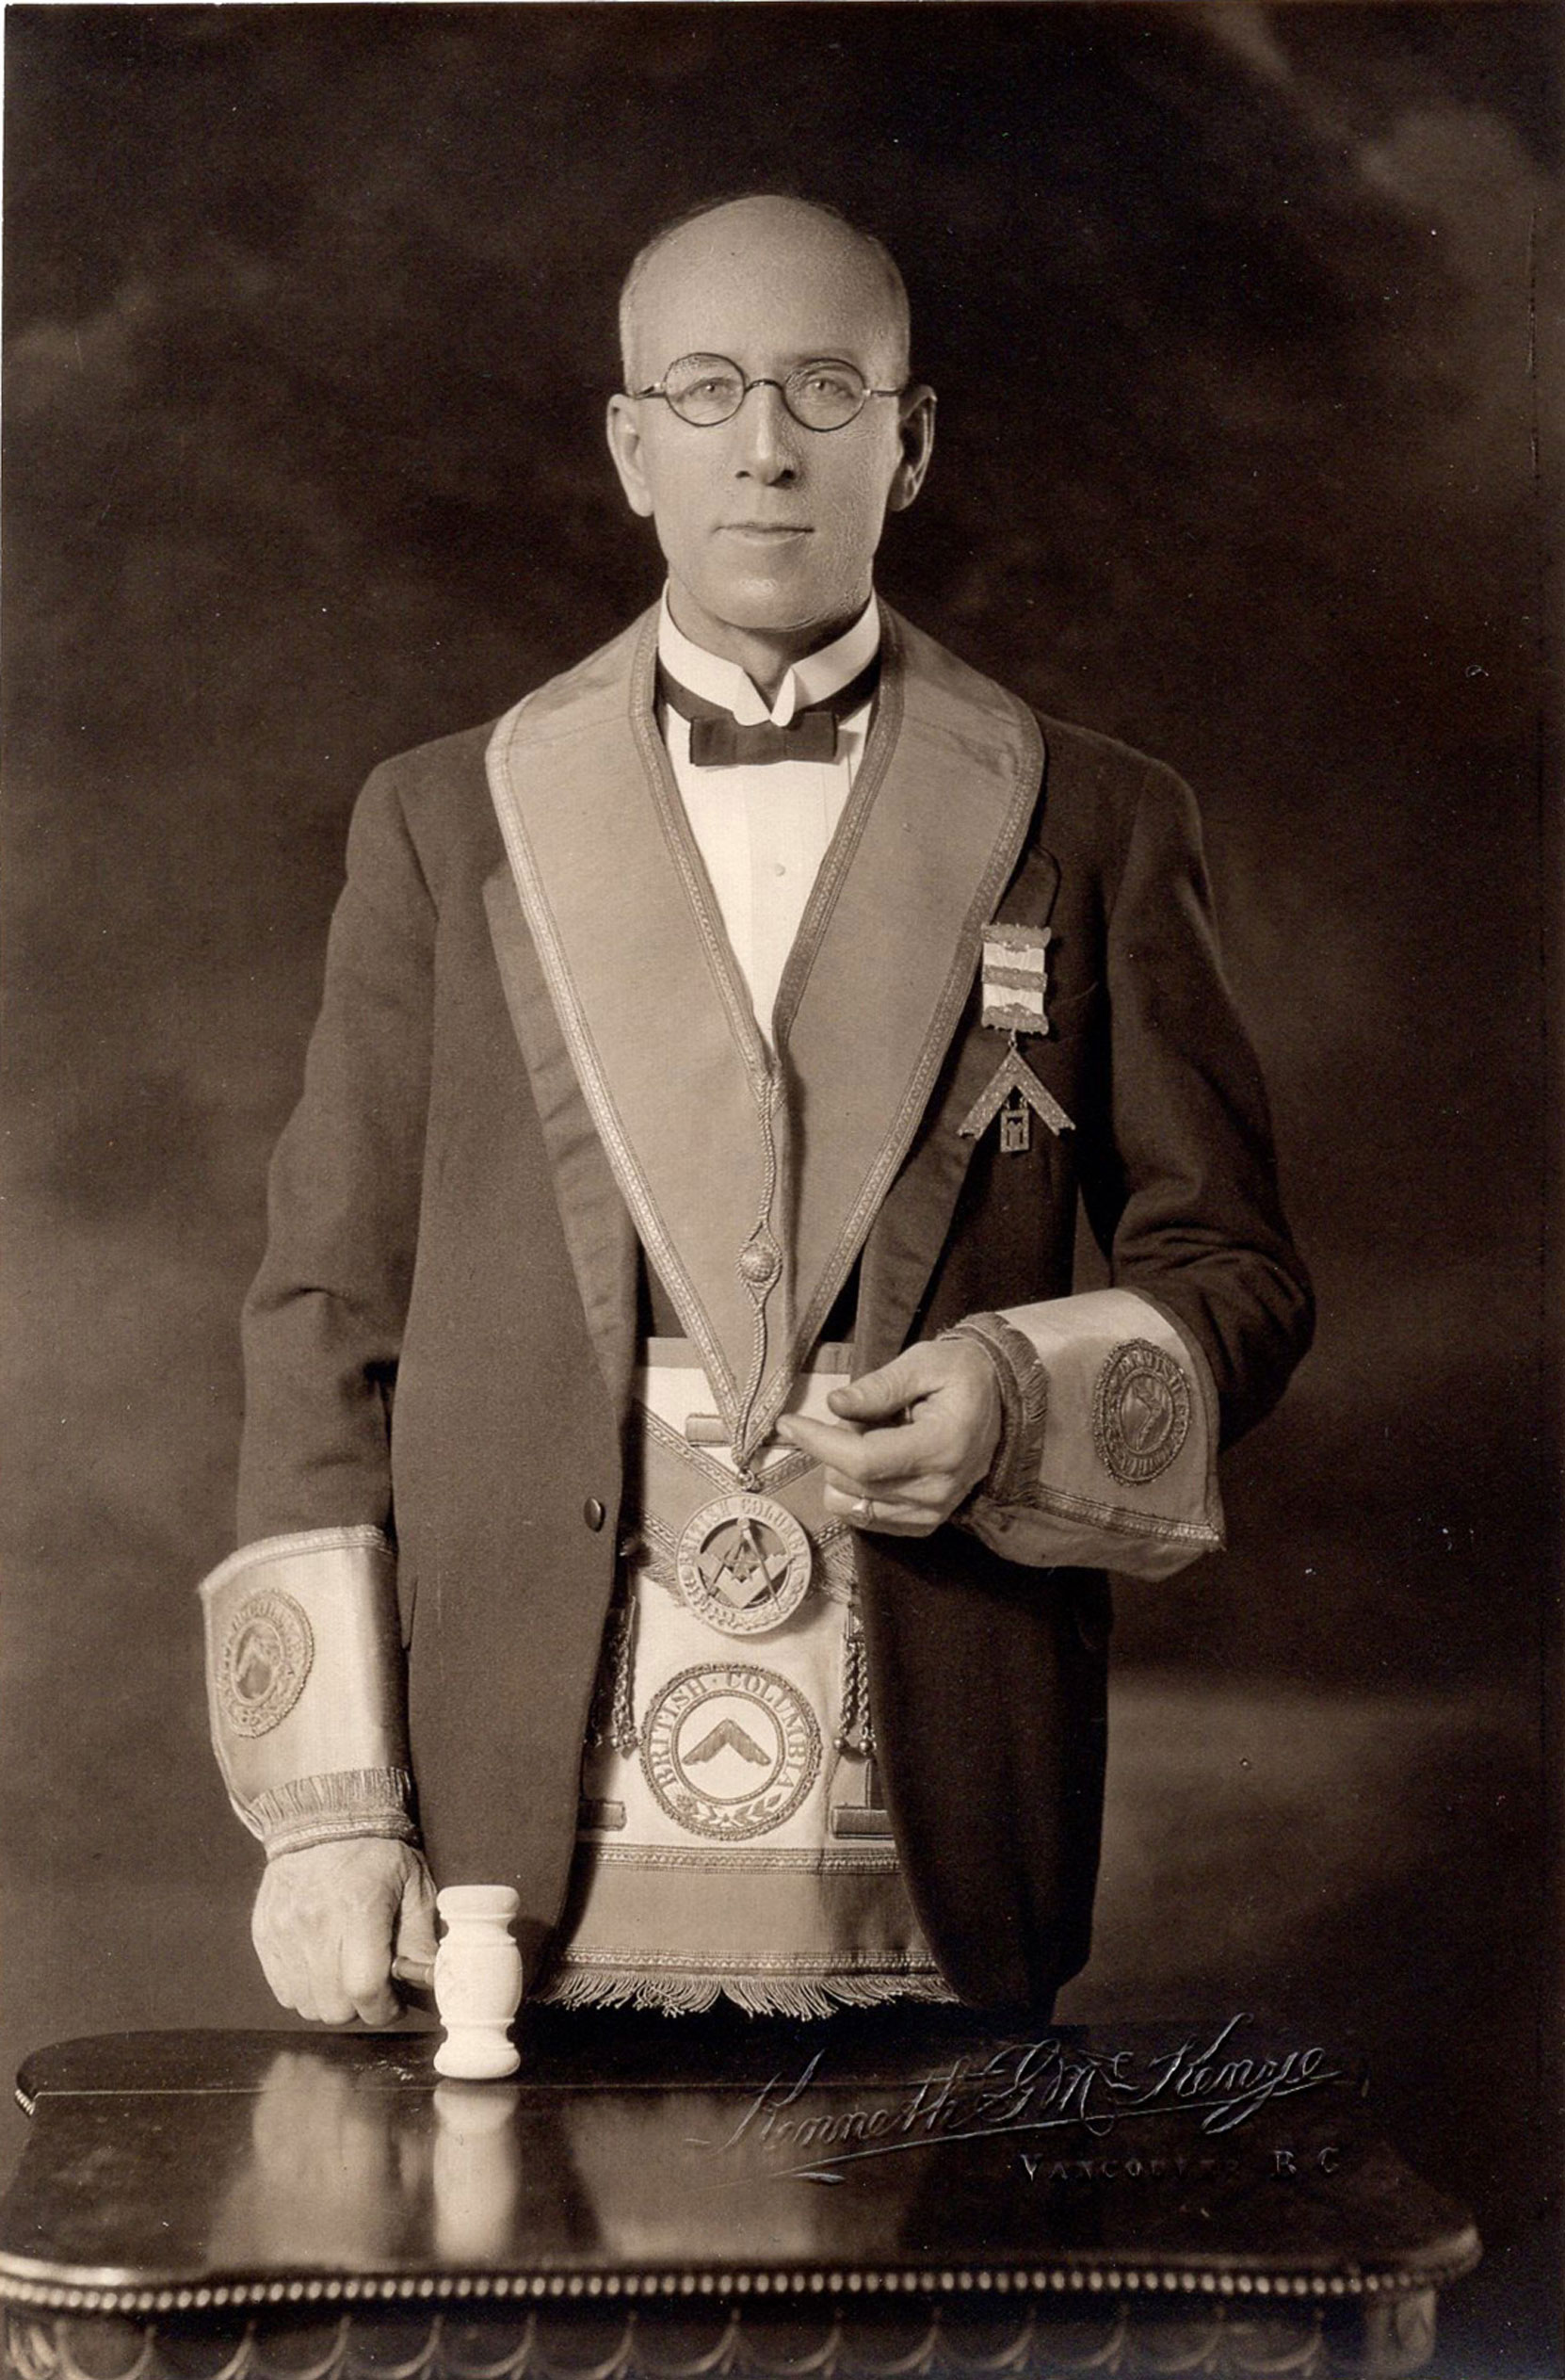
(744, 1564)
(1015, 989)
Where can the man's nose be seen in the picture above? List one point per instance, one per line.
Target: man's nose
(768, 445)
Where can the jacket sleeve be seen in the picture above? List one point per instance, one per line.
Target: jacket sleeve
(304, 1660)
(323, 1322)
(1178, 1168)
(1116, 1401)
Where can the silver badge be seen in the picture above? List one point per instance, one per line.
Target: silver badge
(744, 1564)
(1015, 997)
(265, 1660)
(1013, 1089)
(730, 1751)
(1141, 1412)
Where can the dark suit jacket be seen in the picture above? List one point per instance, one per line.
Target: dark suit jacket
(442, 1336)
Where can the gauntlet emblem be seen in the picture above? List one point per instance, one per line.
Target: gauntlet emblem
(265, 1660)
(1140, 1412)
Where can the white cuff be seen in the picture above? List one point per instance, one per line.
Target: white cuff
(304, 1688)
(1108, 1455)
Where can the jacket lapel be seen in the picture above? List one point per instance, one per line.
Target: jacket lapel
(905, 1240)
(598, 1230)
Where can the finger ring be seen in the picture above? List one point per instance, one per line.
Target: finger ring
(863, 1510)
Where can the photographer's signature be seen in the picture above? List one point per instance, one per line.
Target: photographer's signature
(1027, 2087)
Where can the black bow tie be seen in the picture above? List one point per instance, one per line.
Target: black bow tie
(718, 741)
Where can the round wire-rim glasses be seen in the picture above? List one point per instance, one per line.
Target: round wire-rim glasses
(707, 390)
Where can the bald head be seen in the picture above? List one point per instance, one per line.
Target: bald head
(746, 245)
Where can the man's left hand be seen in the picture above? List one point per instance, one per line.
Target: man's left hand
(912, 1440)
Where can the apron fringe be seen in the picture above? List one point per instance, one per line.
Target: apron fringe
(759, 1996)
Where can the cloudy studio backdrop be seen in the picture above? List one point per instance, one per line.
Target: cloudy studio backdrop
(1231, 314)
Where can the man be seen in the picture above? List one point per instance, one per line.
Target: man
(665, 1338)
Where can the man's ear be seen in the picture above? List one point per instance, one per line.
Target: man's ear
(915, 425)
(624, 444)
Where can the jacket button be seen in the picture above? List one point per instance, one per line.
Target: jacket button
(593, 1513)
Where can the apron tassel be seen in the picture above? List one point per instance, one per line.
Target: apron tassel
(856, 1733)
(613, 1702)
(623, 1734)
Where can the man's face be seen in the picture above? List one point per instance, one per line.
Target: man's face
(768, 528)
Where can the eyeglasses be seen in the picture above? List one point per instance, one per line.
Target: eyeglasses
(706, 390)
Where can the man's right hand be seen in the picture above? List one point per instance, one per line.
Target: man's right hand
(330, 1919)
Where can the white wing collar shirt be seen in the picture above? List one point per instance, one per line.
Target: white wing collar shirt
(763, 831)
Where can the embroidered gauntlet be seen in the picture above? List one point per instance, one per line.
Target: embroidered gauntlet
(304, 1688)
(1107, 1454)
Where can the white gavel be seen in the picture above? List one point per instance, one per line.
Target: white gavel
(477, 1982)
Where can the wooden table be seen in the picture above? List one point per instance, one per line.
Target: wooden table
(899, 2192)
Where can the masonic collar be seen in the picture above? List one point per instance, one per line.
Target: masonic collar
(753, 1173)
